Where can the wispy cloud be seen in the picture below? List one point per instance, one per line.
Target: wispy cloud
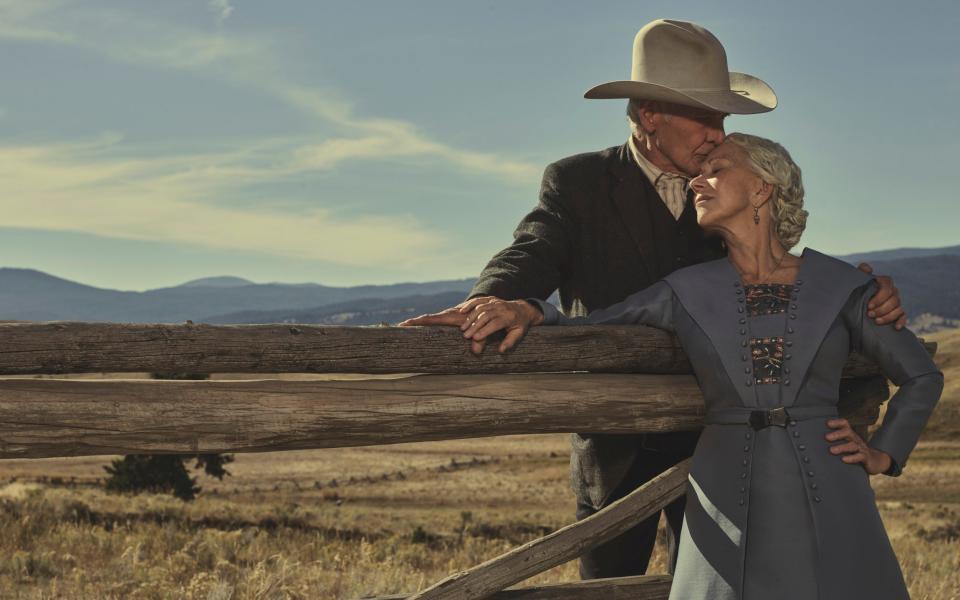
(49, 187)
(173, 196)
(250, 60)
(221, 9)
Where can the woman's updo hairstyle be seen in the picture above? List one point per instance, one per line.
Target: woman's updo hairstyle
(772, 163)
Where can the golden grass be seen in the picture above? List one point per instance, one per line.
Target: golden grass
(374, 536)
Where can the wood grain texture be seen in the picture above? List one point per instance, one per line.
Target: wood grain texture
(59, 348)
(638, 587)
(63, 417)
(564, 544)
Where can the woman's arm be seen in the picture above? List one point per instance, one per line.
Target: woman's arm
(653, 306)
(905, 361)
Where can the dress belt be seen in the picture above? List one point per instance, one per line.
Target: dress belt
(758, 419)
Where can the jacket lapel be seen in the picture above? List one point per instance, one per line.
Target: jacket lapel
(630, 192)
(708, 294)
(822, 288)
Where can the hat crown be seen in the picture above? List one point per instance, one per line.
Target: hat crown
(679, 55)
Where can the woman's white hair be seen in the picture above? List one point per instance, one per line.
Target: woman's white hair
(772, 163)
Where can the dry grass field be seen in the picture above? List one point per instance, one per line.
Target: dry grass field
(349, 523)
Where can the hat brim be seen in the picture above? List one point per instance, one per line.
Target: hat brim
(747, 95)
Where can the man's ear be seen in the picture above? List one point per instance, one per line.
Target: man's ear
(649, 111)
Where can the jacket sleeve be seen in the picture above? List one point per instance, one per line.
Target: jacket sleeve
(537, 261)
(904, 361)
(652, 306)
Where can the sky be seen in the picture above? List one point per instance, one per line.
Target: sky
(144, 144)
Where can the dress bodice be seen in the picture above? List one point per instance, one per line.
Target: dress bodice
(766, 315)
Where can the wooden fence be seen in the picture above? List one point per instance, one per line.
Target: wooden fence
(609, 379)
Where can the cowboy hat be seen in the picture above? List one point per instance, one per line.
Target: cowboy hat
(683, 63)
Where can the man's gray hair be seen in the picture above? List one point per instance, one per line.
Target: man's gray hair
(633, 117)
(773, 164)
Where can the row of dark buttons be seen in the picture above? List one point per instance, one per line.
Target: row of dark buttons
(806, 459)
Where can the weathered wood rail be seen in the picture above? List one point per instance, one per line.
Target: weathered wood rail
(64, 348)
(611, 379)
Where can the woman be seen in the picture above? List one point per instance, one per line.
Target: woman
(779, 503)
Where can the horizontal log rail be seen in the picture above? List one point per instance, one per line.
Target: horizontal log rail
(564, 544)
(63, 417)
(62, 348)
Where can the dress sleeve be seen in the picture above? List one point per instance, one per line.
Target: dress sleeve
(905, 361)
(653, 305)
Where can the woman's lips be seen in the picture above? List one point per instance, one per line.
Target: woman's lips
(700, 199)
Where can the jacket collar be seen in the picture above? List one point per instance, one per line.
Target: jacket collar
(712, 295)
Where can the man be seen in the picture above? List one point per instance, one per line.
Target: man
(611, 223)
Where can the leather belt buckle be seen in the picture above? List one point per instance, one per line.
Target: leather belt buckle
(765, 418)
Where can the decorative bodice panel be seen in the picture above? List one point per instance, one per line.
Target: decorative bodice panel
(766, 310)
(766, 306)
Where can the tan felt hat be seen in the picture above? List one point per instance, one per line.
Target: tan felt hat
(683, 63)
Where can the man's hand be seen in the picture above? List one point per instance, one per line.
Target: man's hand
(452, 316)
(855, 450)
(885, 306)
(485, 316)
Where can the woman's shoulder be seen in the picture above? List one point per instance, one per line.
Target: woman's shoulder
(714, 269)
(824, 270)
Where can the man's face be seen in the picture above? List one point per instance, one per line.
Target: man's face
(686, 135)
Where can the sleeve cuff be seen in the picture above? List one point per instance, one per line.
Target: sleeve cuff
(894, 470)
(551, 316)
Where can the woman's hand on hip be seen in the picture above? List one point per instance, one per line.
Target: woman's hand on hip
(854, 449)
(488, 315)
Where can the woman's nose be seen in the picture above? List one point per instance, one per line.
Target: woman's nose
(698, 183)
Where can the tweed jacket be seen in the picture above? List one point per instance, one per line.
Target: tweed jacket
(590, 238)
(731, 546)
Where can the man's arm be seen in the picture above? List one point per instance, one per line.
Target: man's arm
(537, 261)
(534, 265)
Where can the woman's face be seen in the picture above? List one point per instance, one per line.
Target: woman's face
(725, 187)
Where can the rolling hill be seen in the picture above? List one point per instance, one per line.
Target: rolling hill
(928, 279)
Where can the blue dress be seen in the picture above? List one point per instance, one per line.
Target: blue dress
(770, 512)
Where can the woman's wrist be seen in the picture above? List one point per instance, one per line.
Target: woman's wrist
(884, 461)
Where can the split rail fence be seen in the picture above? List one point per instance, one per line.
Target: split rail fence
(595, 379)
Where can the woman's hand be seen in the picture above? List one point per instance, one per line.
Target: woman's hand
(487, 315)
(857, 451)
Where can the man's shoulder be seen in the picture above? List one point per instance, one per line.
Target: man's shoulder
(586, 162)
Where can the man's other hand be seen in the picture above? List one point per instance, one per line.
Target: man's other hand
(885, 305)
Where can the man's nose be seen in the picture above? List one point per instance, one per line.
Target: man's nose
(715, 134)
